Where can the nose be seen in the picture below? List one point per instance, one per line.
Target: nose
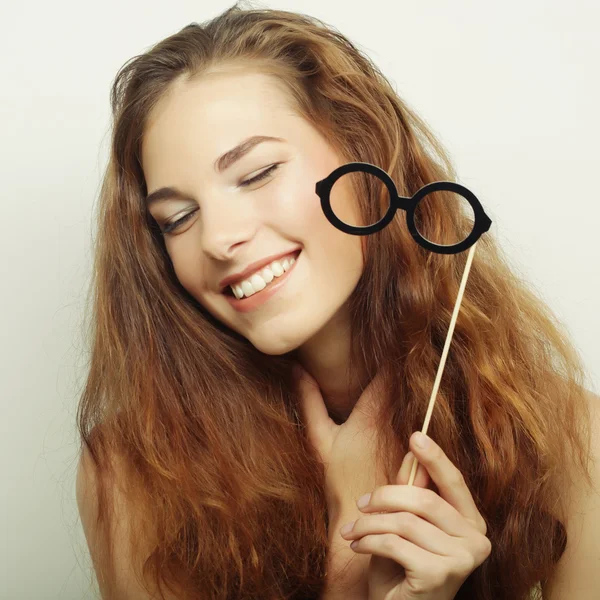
(226, 226)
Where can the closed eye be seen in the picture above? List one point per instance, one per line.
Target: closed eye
(169, 227)
(260, 176)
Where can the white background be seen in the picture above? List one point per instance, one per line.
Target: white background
(510, 88)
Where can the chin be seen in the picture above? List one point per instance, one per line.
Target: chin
(275, 346)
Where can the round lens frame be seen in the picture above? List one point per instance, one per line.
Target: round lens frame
(482, 220)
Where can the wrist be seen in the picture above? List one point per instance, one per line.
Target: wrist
(339, 515)
(338, 509)
(338, 505)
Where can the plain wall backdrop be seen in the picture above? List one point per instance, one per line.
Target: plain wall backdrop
(510, 88)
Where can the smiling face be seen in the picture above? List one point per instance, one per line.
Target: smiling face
(230, 223)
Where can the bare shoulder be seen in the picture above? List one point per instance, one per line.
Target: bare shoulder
(576, 574)
(125, 584)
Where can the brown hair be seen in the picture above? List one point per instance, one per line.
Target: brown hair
(228, 494)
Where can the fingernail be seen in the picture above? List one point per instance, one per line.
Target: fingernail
(421, 440)
(347, 528)
(363, 501)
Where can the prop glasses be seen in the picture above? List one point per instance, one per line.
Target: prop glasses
(409, 205)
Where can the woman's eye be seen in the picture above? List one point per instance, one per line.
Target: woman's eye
(175, 224)
(259, 176)
(169, 227)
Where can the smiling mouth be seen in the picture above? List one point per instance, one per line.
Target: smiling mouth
(229, 292)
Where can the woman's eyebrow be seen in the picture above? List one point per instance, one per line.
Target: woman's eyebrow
(222, 163)
(233, 155)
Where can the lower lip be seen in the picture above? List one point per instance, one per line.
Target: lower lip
(247, 304)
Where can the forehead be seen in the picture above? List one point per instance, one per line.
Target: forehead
(218, 109)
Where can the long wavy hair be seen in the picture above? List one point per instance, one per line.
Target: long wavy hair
(227, 493)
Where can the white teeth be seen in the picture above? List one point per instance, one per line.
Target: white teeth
(262, 278)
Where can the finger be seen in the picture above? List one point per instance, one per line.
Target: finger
(420, 501)
(422, 478)
(312, 408)
(408, 526)
(401, 551)
(448, 479)
(365, 411)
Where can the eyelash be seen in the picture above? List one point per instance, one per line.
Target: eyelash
(169, 227)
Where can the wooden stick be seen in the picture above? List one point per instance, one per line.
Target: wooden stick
(440, 370)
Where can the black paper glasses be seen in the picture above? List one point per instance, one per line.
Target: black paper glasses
(410, 205)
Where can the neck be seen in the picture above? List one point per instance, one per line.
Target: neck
(325, 357)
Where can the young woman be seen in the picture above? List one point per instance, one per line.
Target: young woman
(208, 469)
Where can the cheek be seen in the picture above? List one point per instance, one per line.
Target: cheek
(323, 233)
(189, 269)
(341, 253)
(306, 219)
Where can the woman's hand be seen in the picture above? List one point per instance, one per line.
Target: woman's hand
(424, 545)
(346, 450)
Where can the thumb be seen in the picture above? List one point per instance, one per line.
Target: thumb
(364, 413)
(422, 478)
(312, 409)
